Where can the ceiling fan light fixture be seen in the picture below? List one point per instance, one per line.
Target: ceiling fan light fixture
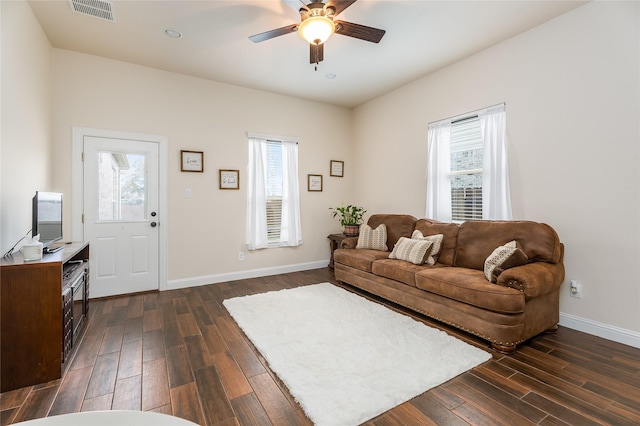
(316, 29)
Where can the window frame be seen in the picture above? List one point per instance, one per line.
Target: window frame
(466, 133)
(273, 227)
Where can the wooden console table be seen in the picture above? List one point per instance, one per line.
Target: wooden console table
(37, 311)
(334, 243)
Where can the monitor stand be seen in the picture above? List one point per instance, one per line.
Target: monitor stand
(54, 248)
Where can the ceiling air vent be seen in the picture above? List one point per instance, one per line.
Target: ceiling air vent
(99, 8)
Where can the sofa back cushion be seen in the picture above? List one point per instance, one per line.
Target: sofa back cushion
(450, 237)
(398, 225)
(477, 239)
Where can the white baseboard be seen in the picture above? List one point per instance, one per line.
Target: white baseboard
(606, 331)
(241, 275)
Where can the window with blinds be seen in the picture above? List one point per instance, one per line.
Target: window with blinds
(274, 191)
(466, 169)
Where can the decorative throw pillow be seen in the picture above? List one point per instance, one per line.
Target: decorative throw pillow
(435, 249)
(375, 239)
(502, 258)
(410, 250)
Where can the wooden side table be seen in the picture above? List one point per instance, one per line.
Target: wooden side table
(334, 243)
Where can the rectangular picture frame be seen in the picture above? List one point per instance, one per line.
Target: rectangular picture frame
(229, 179)
(191, 161)
(314, 183)
(336, 168)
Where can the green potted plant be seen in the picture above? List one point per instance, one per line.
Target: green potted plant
(350, 218)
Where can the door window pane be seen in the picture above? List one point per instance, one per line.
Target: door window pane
(122, 186)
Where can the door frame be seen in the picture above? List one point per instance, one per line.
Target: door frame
(77, 187)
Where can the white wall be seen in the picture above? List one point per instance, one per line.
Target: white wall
(207, 231)
(26, 119)
(571, 88)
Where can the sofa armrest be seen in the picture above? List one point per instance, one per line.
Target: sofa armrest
(349, 243)
(533, 279)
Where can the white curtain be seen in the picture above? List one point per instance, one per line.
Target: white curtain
(290, 226)
(496, 198)
(257, 195)
(438, 169)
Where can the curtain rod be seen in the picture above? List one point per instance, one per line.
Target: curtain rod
(468, 114)
(267, 136)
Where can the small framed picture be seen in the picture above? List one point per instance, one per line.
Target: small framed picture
(229, 179)
(191, 161)
(337, 168)
(314, 183)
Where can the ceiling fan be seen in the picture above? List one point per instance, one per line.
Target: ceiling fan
(317, 25)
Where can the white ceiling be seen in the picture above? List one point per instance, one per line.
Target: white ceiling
(421, 37)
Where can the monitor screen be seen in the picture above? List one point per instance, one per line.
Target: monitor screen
(47, 217)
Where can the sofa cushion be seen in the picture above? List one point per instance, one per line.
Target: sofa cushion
(370, 238)
(435, 248)
(449, 240)
(470, 286)
(398, 225)
(410, 250)
(360, 258)
(504, 257)
(478, 238)
(398, 270)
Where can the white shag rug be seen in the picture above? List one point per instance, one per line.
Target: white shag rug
(344, 358)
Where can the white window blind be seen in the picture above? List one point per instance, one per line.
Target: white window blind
(466, 169)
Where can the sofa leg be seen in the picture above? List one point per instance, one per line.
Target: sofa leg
(552, 330)
(505, 349)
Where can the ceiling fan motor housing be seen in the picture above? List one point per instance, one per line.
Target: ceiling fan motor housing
(317, 9)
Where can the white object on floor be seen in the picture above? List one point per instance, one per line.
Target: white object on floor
(110, 418)
(344, 358)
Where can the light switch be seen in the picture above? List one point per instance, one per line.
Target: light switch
(187, 193)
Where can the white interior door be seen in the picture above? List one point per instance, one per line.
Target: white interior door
(121, 214)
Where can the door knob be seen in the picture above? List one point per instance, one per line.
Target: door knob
(153, 224)
(153, 214)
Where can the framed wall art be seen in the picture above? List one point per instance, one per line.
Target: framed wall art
(191, 161)
(229, 179)
(314, 183)
(337, 168)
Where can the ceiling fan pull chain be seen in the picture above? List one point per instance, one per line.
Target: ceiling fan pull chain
(315, 57)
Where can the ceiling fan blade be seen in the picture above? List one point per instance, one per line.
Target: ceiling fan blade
(273, 33)
(340, 5)
(316, 53)
(362, 32)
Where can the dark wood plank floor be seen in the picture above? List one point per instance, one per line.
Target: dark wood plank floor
(179, 352)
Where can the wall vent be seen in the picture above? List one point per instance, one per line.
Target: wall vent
(102, 9)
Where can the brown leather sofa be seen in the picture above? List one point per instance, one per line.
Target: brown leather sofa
(523, 303)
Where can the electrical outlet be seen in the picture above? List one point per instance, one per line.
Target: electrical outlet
(240, 256)
(575, 289)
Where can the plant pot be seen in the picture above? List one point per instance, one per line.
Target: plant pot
(352, 230)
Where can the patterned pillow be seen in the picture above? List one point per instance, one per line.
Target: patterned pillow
(375, 239)
(435, 249)
(502, 258)
(410, 250)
